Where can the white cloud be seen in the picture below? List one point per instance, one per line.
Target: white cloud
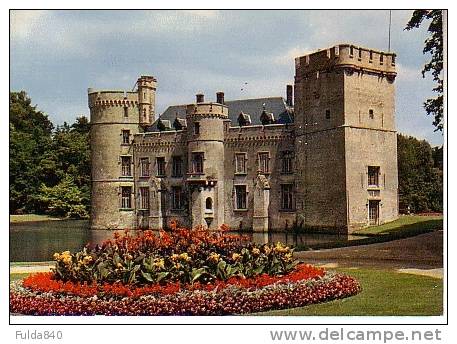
(408, 74)
(288, 57)
(24, 22)
(209, 14)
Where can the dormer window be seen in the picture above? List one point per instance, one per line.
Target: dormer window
(244, 119)
(267, 118)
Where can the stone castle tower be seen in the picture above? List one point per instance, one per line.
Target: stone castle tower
(327, 162)
(345, 137)
(115, 117)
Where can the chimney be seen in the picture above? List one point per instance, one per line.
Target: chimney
(200, 98)
(289, 95)
(220, 97)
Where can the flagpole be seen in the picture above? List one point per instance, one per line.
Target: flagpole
(390, 24)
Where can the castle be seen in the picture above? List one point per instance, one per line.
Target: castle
(327, 162)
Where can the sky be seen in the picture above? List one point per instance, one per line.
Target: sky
(56, 55)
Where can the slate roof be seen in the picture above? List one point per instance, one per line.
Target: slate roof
(253, 107)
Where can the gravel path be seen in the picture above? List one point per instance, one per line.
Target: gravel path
(423, 251)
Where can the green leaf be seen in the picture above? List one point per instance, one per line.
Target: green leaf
(162, 275)
(147, 276)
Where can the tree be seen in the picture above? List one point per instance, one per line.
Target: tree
(64, 200)
(434, 46)
(420, 182)
(30, 138)
(49, 169)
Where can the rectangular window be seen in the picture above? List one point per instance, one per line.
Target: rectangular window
(240, 163)
(327, 114)
(126, 112)
(125, 137)
(360, 53)
(393, 60)
(371, 113)
(381, 59)
(287, 196)
(176, 197)
(144, 167)
(197, 128)
(373, 212)
(373, 176)
(197, 162)
(287, 162)
(264, 162)
(351, 51)
(177, 166)
(371, 55)
(126, 166)
(144, 198)
(160, 162)
(241, 197)
(126, 197)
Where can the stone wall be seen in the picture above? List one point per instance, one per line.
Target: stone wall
(251, 140)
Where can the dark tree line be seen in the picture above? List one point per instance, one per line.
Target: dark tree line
(49, 167)
(420, 175)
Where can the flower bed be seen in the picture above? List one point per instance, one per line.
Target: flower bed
(185, 272)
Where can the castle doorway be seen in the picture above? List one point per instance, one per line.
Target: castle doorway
(373, 212)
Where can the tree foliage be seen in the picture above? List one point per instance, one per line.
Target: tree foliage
(433, 46)
(420, 175)
(49, 168)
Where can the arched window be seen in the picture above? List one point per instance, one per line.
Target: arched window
(209, 203)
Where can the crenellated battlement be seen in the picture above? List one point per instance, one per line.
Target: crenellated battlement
(207, 110)
(112, 99)
(346, 56)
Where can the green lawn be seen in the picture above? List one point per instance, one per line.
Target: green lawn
(15, 277)
(406, 225)
(385, 292)
(31, 218)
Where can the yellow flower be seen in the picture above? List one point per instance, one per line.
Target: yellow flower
(280, 248)
(56, 256)
(184, 256)
(159, 263)
(267, 249)
(174, 256)
(236, 256)
(214, 257)
(255, 251)
(288, 257)
(87, 259)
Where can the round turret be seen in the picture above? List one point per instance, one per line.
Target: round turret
(146, 97)
(114, 121)
(205, 135)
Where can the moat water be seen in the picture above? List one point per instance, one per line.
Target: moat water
(38, 241)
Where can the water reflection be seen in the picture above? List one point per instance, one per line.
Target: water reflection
(37, 241)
